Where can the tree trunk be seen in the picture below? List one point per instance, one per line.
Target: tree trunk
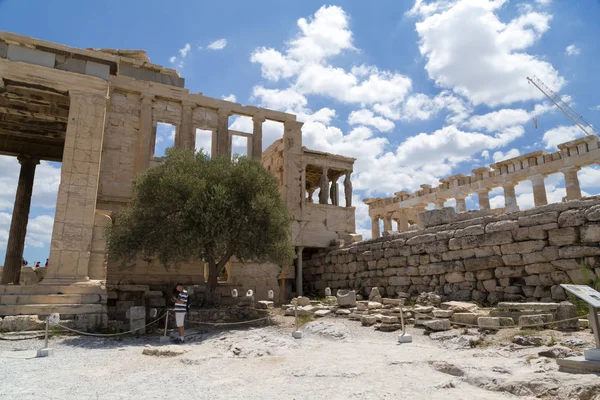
(211, 285)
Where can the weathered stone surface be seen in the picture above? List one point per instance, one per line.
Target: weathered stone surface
(567, 310)
(540, 268)
(467, 318)
(523, 247)
(442, 313)
(264, 304)
(459, 306)
(17, 323)
(302, 301)
(530, 306)
(488, 322)
(501, 226)
(578, 251)
(563, 236)
(386, 319)
(368, 320)
(527, 340)
(342, 312)
(375, 296)
(593, 213)
(477, 264)
(538, 219)
(346, 298)
(322, 313)
(438, 325)
(590, 233)
(571, 218)
(509, 272)
(512, 259)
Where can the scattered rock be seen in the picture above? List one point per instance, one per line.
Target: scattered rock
(443, 313)
(389, 320)
(368, 320)
(375, 295)
(558, 352)
(330, 300)
(167, 351)
(447, 368)
(21, 323)
(459, 306)
(346, 298)
(428, 299)
(322, 313)
(465, 318)
(264, 304)
(531, 321)
(438, 325)
(566, 310)
(574, 342)
(302, 301)
(527, 340)
(388, 327)
(488, 322)
(423, 309)
(343, 311)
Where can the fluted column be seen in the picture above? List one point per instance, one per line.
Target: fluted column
(539, 190)
(510, 199)
(375, 232)
(387, 223)
(439, 203)
(186, 137)
(257, 133)
(461, 203)
(18, 224)
(484, 199)
(572, 183)
(223, 148)
(145, 135)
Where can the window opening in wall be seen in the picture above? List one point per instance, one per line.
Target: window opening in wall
(204, 140)
(164, 138)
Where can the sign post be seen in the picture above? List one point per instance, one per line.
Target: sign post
(592, 298)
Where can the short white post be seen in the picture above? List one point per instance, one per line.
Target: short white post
(46, 351)
(297, 334)
(404, 337)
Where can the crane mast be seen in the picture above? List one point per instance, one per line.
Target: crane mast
(562, 106)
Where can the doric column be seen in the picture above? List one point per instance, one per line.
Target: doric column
(72, 234)
(439, 203)
(572, 183)
(539, 190)
(299, 272)
(145, 135)
(186, 137)
(461, 204)
(18, 224)
(223, 138)
(510, 199)
(375, 232)
(484, 199)
(387, 223)
(403, 221)
(257, 137)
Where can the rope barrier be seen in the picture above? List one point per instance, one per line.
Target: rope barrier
(228, 323)
(515, 326)
(107, 334)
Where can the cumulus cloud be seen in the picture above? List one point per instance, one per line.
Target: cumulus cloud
(39, 230)
(230, 97)
(506, 117)
(470, 50)
(561, 134)
(185, 50)
(366, 117)
(218, 44)
(501, 156)
(572, 50)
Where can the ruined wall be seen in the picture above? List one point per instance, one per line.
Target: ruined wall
(260, 277)
(516, 256)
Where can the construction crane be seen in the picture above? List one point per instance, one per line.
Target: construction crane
(562, 106)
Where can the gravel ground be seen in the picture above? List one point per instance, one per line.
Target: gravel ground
(336, 359)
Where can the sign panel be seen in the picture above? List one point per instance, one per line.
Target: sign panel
(585, 293)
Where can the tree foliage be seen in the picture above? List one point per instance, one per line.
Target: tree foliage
(191, 207)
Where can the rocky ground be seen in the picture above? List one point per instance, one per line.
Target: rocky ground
(336, 359)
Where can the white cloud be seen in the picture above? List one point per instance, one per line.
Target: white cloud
(39, 230)
(469, 50)
(561, 134)
(279, 99)
(572, 50)
(505, 117)
(218, 44)
(420, 106)
(596, 108)
(231, 98)
(172, 60)
(485, 154)
(45, 186)
(501, 156)
(366, 117)
(185, 50)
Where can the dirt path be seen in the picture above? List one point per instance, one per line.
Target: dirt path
(337, 359)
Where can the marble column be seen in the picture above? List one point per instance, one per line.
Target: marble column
(223, 148)
(572, 183)
(387, 223)
(375, 231)
(145, 135)
(257, 134)
(186, 135)
(403, 221)
(439, 204)
(348, 189)
(299, 272)
(510, 199)
(18, 224)
(72, 234)
(539, 190)
(461, 203)
(484, 199)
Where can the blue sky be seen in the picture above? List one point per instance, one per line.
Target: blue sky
(415, 90)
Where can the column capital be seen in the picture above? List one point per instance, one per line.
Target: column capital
(222, 112)
(461, 196)
(258, 118)
(28, 160)
(570, 169)
(509, 185)
(483, 190)
(147, 98)
(537, 177)
(189, 104)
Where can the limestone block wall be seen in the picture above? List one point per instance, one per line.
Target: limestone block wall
(260, 277)
(517, 256)
(152, 272)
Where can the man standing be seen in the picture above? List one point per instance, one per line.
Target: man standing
(180, 300)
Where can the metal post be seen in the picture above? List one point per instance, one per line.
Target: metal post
(297, 334)
(165, 338)
(295, 315)
(46, 336)
(405, 337)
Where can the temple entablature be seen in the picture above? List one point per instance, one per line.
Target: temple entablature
(535, 166)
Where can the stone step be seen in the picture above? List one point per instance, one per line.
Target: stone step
(51, 289)
(24, 299)
(47, 309)
(527, 306)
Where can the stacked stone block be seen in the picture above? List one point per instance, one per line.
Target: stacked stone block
(518, 256)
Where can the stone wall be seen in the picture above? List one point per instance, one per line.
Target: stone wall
(518, 256)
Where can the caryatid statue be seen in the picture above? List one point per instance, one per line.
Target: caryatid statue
(348, 189)
(323, 186)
